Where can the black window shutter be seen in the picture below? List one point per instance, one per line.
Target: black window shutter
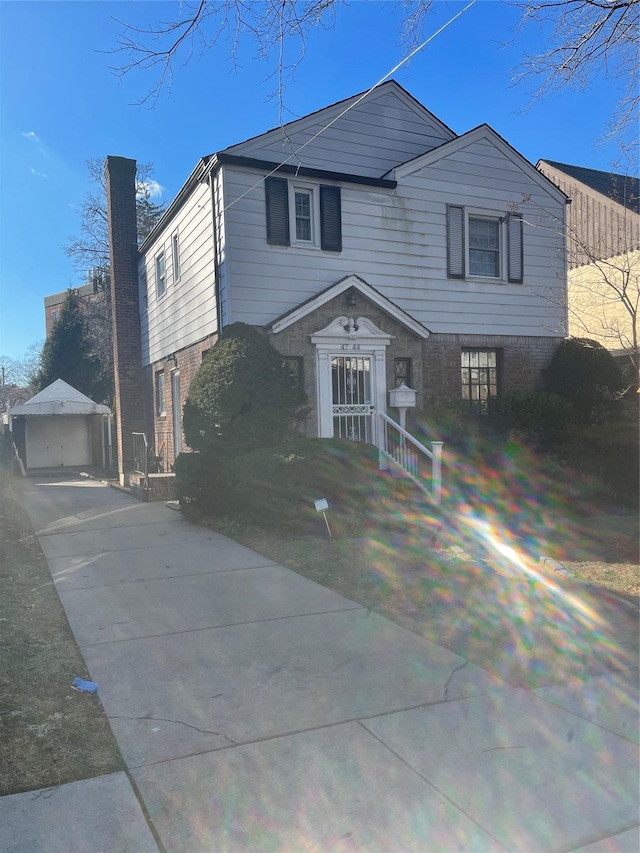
(455, 241)
(277, 199)
(330, 219)
(515, 248)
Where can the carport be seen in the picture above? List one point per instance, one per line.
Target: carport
(60, 428)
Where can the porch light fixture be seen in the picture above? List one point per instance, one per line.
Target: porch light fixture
(171, 359)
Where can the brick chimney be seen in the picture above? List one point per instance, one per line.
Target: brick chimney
(120, 175)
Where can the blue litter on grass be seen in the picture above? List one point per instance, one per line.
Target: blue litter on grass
(87, 686)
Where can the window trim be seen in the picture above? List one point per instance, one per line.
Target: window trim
(409, 371)
(143, 292)
(483, 217)
(510, 249)
(161, 256)
(161, 410)
(326, 214)
(175, 256)
(498, 384)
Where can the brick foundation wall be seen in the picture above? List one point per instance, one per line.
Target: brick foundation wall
(522, 360)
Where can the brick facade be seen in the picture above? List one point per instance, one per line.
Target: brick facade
(159, 428)
(120, 176)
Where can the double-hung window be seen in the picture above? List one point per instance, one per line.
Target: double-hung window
(301, 214)
(144, 299)
(480, 374)
(484, 245)
(161, 275)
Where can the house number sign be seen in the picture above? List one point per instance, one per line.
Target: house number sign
(351, 347)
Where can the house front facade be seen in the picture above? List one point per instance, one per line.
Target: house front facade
(370, 244)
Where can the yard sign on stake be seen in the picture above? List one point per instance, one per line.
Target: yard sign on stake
(322, 506)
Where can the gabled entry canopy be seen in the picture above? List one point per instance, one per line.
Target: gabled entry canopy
(336, 289)
(60, 398)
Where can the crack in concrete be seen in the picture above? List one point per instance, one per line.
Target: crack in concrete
(453, 672)
(177, 722)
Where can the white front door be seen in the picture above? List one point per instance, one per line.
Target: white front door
(350, 377)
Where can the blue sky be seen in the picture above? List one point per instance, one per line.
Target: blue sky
(60, 104)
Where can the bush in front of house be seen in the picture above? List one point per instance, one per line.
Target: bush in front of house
(538, 415)
(242, 395)
(585, 373)
(277, 486)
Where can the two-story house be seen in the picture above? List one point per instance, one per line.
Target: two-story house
(369, 242)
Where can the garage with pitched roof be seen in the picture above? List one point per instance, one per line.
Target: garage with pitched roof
(61, 428)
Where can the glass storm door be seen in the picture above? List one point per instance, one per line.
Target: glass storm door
(352, 405)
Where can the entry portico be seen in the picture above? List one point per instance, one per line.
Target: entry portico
(348, 362)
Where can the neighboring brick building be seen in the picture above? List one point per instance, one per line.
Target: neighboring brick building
(97, 284)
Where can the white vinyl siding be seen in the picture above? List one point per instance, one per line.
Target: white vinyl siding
(386, 128)
(396, 240)
(187, 313)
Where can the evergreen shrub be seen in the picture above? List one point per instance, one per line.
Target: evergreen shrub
(585, 373)
(242, 395)
(538, 415)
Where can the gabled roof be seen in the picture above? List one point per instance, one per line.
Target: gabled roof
(623, 189)
(60, 398)
(483, 131)
(336, 109)
(309, 305)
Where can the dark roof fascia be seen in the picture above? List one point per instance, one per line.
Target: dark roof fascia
(197, 176)
(305, 171)
(601, 182)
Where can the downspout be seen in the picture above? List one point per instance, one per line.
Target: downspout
(216, 255)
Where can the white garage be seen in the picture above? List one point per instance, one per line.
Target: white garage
(60, 427)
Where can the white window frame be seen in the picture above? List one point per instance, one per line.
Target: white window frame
(161, 256)
(144, 295)
(312, 190)
(161, 399)
(175, 255)
(474, 213)
(54, 316)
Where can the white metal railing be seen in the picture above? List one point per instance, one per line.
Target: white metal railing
(399, 449)
(141, 456)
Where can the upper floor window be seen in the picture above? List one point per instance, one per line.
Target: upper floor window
(303, 214)
(161, 275)
(304, 220)
(54, 316)
(144, 298)
(175, 256)
(484, 245)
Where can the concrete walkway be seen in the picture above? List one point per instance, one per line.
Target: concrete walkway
(259, 711)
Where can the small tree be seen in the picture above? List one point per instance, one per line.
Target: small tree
(68, 354)
(585, 373)
(242, 395)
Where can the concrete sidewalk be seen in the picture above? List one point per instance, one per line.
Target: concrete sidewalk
(259, 711)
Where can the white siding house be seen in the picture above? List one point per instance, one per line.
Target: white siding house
(366, 238)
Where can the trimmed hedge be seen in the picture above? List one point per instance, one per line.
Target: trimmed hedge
(277, 486)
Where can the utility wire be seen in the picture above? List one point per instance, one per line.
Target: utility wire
(354, 104)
